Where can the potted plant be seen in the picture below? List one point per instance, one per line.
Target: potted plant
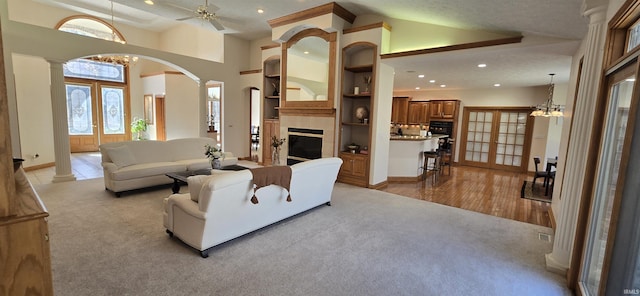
(276, 143)
(138, 129)
(214, 153)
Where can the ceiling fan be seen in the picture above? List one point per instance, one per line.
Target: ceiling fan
(206, 12)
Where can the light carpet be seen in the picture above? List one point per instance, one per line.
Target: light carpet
(367, 243)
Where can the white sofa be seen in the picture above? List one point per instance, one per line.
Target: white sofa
(139, 164)
(218, 208)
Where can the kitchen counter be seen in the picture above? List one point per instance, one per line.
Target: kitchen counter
(415, 138)
(406, 158)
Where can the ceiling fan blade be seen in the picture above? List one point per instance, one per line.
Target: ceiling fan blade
(186, 18)
(216, 24)
(210, 7)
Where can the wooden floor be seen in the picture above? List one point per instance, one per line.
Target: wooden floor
(491, 192)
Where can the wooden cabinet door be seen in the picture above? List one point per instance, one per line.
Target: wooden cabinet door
(399, 110)
(359, 166)
(418, 112)
(270, 128)
(435, 109)
(449, 109)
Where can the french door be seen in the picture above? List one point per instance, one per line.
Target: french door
(496, 138)
(97, 113)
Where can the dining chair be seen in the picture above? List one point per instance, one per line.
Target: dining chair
(540, 174)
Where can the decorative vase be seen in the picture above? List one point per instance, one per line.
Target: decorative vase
(275, 157)
(216, 164)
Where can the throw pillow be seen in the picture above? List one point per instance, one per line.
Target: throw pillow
(121, 156)
(195, 185)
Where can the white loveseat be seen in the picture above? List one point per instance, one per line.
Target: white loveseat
(139, 164)
(218, 208)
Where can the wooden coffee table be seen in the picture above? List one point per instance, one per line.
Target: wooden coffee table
(180, 178)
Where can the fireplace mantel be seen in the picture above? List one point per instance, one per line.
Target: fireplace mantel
(307, 111)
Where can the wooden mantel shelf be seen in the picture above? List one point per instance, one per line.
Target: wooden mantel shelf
(307, 111)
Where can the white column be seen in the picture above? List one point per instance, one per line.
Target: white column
(203, 126)
(61, 144)
(566, 212)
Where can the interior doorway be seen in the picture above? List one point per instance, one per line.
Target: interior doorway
(161, 131)
(496, 138)
(254, 115)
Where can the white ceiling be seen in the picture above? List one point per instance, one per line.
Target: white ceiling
(551, 29)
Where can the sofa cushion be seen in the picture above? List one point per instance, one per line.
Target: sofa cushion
(195, 164)
(195, 185)
(146, 169)
(121, 156)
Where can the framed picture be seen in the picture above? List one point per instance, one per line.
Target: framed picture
(148, 109)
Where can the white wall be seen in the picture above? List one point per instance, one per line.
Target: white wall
(36, 120)
(181, 103)
(408, 35)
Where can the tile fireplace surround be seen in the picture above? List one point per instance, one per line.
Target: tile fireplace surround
(325, 123)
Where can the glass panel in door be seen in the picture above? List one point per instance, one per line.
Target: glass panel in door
(479, 136)
(511, 136)
(614, 133)
(113, 125)
(81, 118)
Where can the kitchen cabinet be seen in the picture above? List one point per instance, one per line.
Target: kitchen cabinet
(443, 109)
(400, 110)
(418, 113)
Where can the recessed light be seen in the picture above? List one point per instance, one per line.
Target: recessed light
(482, 65)
(496, 85)
(443, 85)
(260, 11)
(150, 2)
(421, 76)
(432, 81)
(418, 87)
(306, 52)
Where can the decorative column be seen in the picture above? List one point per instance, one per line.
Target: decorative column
(60, 125)
(566, 212)
(203, 125)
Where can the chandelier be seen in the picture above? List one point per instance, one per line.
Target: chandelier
(124, 60)
(549, 109)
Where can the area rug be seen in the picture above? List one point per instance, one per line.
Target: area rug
(535, 193)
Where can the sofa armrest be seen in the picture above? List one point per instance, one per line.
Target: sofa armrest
(184, 202)
(109, 167)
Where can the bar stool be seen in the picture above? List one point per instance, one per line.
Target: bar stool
(429, 165)
(444, 150)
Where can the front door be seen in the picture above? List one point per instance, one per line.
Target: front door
(96, 114)
(496, 138)
(82, 119)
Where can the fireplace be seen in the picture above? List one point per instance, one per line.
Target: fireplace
(304, 144)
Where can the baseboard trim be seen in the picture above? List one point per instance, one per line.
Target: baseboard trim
(379, 186)
(552, 218)
(40, 166)
(555, 267)
(404, 179)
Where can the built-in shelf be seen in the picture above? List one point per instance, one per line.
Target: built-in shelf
(272, 97)
(359, 69)
(272, 75)
(358, 96)
(355, 124)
